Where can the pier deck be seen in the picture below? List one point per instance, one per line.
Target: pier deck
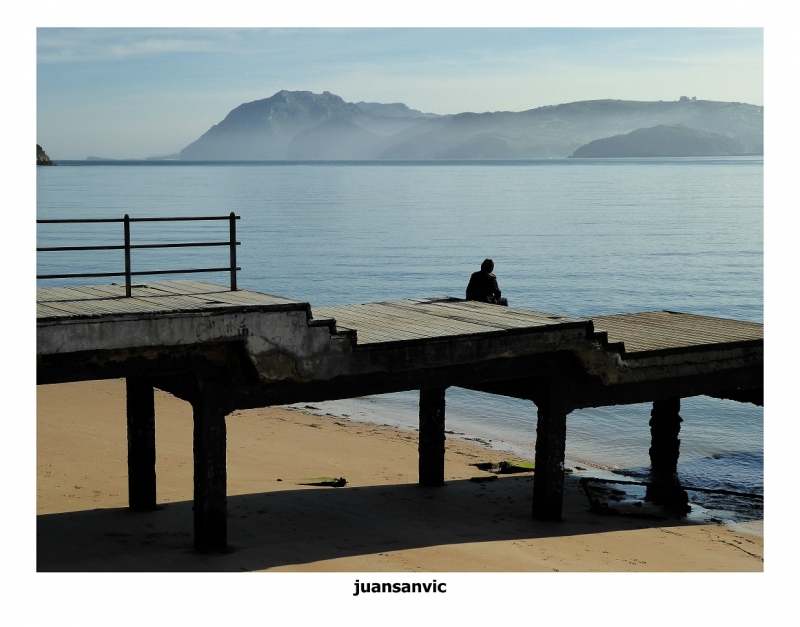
(662, 332)
(223, 350)
(429, 319)
(153, 298)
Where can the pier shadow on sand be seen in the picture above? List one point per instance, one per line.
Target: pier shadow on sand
(295, 527)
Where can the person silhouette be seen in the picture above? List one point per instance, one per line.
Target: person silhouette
(483, 285)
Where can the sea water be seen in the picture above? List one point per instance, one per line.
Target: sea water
(570, 237)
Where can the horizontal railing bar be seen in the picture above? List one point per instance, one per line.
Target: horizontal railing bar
(143, 273)
(55, 249)
(95, 220)
(183, 219)
(78, 276)
(80, 221)
(183, 245)
(52, 249)
(225, 269)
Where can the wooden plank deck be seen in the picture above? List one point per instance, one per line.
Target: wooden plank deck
(666, 331)
(428, 318)
(378, 325)
(641, 334)
(155, 297)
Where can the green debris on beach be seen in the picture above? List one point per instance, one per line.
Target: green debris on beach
(515, 466)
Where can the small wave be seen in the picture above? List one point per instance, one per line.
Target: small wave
(741, 472)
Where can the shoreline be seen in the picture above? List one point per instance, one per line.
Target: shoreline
(380, 521)
(498, 445)
(354, 410)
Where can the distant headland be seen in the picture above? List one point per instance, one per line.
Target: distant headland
(664, 140)
(41, 157)
(304, 126)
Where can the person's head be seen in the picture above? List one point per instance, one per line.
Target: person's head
(487, 265)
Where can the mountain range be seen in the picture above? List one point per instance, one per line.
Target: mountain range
(301, 125)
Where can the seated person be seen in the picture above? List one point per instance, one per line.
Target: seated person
(483, 285)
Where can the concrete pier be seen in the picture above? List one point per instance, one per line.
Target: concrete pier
(431, 436)
(551, 438)
(224, 350)
(665, 426)
(141, 443)
(210, 466)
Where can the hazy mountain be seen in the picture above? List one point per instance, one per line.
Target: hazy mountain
(337, 138)
(557, 131)
(306, 126)
(393, 110)
(665, 140)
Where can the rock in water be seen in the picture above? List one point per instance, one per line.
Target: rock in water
(41, 157)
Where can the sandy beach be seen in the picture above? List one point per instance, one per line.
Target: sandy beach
(381, 520)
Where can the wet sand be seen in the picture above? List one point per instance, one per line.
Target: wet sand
(380, 521)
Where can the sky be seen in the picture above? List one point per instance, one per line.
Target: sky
(141, 92)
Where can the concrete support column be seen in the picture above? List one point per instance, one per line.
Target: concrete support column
(141, 444)
(665, 426)
(548, 477)
(210, 471)
(431, 436)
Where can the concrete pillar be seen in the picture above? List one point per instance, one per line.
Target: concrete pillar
(210, 471)
(548, 477)
(141, 444)
(431, 436)
(665, 426)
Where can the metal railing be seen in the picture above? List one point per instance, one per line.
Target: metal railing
(127, 247)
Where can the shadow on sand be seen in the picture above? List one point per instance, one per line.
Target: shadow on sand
(292, 527)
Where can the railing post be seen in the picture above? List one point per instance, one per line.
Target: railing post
(233, 252)
(127, 224)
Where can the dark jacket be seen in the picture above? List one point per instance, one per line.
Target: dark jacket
(483, 287)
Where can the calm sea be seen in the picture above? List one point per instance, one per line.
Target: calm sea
(570, 237)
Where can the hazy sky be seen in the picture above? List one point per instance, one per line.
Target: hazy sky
(128, 92)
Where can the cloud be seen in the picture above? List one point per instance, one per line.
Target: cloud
(102, 44)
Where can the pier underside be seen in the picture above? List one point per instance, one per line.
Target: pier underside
(223, 350)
